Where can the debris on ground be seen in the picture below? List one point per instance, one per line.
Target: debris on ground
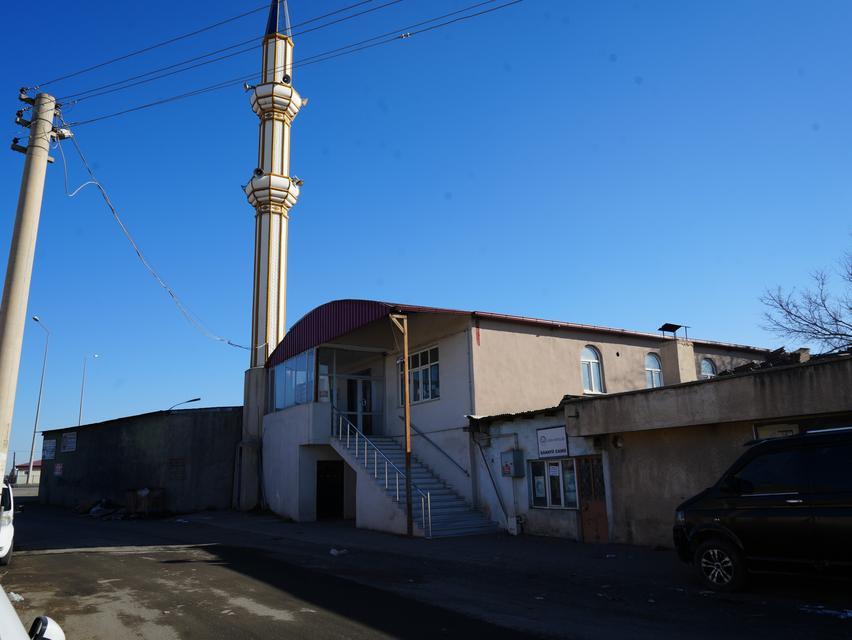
(103, 508)
(338, 552)
(15, 597)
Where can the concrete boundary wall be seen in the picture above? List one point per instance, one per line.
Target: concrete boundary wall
(189, 453)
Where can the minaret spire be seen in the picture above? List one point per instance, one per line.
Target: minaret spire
(271, 190)
(277, 10)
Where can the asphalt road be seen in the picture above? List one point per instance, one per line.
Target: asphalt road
(166, 593)
(226, 575)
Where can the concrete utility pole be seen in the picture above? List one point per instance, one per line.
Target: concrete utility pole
(16, 290)
(83, 387)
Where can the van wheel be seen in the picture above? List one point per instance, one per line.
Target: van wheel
(5, 560)
(720, 565)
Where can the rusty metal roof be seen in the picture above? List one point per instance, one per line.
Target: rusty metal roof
(339, 317)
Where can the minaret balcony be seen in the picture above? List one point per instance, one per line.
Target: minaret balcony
(276, 97)
(272, 192)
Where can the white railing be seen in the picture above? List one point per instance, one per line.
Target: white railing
(343, 429)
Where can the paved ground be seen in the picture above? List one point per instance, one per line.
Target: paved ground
(221, 575)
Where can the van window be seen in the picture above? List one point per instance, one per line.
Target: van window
(829, 468)
(6, 502)
(775, 472)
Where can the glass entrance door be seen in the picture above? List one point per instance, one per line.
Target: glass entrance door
(359, 403)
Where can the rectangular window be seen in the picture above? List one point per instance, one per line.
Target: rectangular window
(553, 484)
(293, 381)
(423, 376)
(539, 484)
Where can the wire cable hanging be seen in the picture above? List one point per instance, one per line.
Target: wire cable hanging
(184, 36)
(184, 310)
(171, 70)
(321, 57)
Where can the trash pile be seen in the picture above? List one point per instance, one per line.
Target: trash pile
(138, 503)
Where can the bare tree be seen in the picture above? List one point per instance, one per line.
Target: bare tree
(816, 315)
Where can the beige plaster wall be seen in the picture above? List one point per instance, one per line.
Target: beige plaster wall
(654, 471)
(518, 367)
(442, 419)
(817, 388)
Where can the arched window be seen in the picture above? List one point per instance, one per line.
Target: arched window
(708, 369)
(590, 365)
(653, 371)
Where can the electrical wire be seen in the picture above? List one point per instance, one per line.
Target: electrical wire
(184, 310)
(151, 47)
(184, 37)
(170, 70)
(322, 57)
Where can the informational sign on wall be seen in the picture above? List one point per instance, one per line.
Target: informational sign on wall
(552, 442)
(48, 450)
(69, 442)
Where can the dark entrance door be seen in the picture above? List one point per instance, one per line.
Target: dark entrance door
(329, 489)
(593, 522)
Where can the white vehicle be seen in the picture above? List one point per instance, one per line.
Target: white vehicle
(43, 628)
(7, 525)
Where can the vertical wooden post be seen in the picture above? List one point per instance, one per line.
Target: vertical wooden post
(401, 322)
(409, 514)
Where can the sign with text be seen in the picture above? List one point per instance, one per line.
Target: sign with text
(552, 442)
(69, 442)
(48, 450)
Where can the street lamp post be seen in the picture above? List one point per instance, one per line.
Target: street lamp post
(40, 390)
(184, 402)
(83, 386)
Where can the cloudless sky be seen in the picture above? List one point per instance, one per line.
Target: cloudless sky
(614, 163)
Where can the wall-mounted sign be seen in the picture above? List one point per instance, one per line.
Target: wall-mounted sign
(69, 442)
(552, 442)
(48, 450)
(57, 469)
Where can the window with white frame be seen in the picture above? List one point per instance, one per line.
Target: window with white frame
(424, 376)
(708, 369)
(590, 366)
(553, 484)
(653, 371)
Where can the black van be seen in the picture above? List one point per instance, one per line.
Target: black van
(786, 504)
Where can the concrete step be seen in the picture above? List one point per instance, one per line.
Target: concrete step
(451, 515)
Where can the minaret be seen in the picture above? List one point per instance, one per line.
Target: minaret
(272, 191)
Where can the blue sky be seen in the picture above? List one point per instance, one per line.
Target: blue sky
(614, 163)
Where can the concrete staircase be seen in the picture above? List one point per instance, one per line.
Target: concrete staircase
(451, 514)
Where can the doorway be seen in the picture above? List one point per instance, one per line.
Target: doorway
(593, 520)
(359, 403)
(329, 489)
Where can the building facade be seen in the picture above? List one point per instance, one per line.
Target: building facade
(337, 378)
(623, 462)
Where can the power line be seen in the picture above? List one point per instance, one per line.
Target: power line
(111, 87)
(184, 36)
(184, 310)
(322, 57)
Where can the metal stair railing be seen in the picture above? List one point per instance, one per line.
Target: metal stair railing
(343, 429)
